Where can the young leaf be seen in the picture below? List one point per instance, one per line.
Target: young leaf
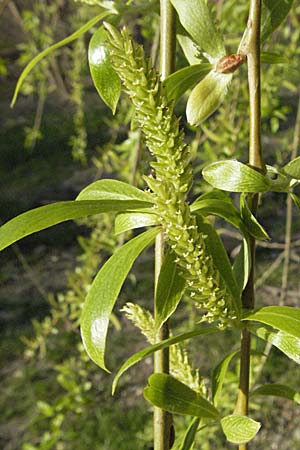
(207, 96)
(234, 176)
(288, 344)
(215, 247)
(169, 290)
(251, 223)
(283, 318)
(219, 374)
(190, 435)
(277, 390)
(182, 80)
(272, 14)
(171, 395)
(196, 19)
(46, 216)
(104, 293)
(239, 429)
(190, 49)
(105, 79)
(296, 199)
(131, 220)
(137, 357)
(53, 47)
(279, 182)
(114, 189)
(242, 265)
(293, 168)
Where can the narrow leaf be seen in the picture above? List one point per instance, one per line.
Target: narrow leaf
(272, 58)
(182, 80)
(105, 78)
(196, 19)
(293, 168)
(272, 14)
(190, 435)
(242, 265)
(46, 216)
(113, 189)
(250, 221)
(131, 220)
(277, 390)
(137, 357)
(234, 176)
(171, 395)
(288, 344)
(279, 181)
(190, 49)
(170, 288)
(283, 318)
(207, 96)
(219, 374)
(239, 429)
(104, 292)
(53, 47)
(296, 199)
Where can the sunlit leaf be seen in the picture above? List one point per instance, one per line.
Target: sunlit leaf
(239, 429)
(171, 395)
(137, 357)
(277, 390)
(219, 374)
(293, 168)
(250, 221)
(189, 48)
(272, 14)
(279, 181)
(53, 47)
(105, 78)
(130, 220)
(242, 265)
(104, 292)
(235, 176)
(288, 344)
(207, 96)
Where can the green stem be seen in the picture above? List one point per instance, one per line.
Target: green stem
(255, 160)
(162, 419)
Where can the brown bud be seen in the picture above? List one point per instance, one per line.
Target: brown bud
(230, 63)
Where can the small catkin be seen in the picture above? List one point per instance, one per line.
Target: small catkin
(173, 176)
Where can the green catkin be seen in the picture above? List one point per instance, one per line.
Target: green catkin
(173, 176)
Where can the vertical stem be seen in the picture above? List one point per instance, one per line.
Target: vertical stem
(256, 160)
(163, 439)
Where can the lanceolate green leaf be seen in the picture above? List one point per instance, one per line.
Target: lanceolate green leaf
(130, 220)
(219, 374)
(104, 293)
(273, 13)
(277, 390)
(46, 216)
(215, 247)
(190, 435)
(171, 395)
(250, 221)
(105, 79)
(293, 168)
(234, 176)
(189, 48)
(239, 429)
(242, 265)
(288, 344)
(296, 199)
(169, 290)
(53, 47)
(196, 19)
(114, 189)
(137, 357)
(283, 318)
(182, 80)
(207, 96)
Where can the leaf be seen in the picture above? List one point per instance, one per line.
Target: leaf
(293, 168)
(235, 176)
(283, 318)
(239, 429)
(190, 435)
(196, 19)
(221, 261)
(296, 199)
(105, 78)
(242, 265)
(131, 220)
(272, 58)
(114, 189)
(252, 225)
(279, 182)
(277, 390)
(190, 49)
(179, 82)
(288, 344)
(171, 395)
(273, 12)
(53, 47)
(46, 216)
(219, 374)
(207, 96)
(137, 357)
(169, 291)
(104, 292)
